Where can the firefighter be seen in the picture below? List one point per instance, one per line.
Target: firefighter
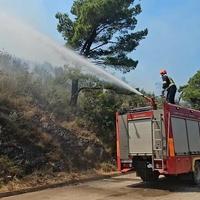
(169, 86)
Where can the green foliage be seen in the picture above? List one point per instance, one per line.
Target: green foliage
(103, 30)
(98, 112)
(191, 91)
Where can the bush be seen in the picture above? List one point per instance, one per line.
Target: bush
(8, 169)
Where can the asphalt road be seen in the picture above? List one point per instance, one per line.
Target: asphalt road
(123, 187)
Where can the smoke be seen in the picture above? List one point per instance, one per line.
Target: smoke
(27, 43)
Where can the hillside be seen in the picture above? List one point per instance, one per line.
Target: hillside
(32, 140)
(40, 133)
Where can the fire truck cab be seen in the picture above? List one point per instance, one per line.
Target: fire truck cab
(159, 142)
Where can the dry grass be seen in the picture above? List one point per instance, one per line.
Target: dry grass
(79, 131)
(39, 179)
(106, 167)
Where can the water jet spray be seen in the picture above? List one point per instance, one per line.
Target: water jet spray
(27, 43)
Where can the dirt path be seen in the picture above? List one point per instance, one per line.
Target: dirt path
(124, 187)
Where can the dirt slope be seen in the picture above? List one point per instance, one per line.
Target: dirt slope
(32, 140)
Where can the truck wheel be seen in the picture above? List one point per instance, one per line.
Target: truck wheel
(170, 177)
(196, 173)
(149, 176)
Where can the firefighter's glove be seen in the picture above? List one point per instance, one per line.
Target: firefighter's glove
(163, 93)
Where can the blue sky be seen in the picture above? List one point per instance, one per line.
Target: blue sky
(173, 41)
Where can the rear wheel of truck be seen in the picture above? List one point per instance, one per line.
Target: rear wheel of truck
(170, 177)
(143, 168)
(149, 176)
(196, 173)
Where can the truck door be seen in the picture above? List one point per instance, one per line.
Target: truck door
(140, 136)
(123, 136)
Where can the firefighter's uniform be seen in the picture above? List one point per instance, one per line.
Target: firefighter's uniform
(169, 86)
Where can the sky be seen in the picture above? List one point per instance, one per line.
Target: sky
(172, 43)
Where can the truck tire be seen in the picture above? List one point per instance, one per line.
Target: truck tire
(149, 176)
(196, 173)
(170, 177)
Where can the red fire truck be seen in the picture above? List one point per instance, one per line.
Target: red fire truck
(159, 142)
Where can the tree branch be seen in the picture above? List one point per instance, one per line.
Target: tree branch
(99, 31)
(84, 46)
(111, 42)
(99, 46)
(90, 41)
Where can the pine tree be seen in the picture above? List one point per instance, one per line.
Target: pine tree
(103, 30)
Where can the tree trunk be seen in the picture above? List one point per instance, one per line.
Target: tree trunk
(75, 86)
(74, 93)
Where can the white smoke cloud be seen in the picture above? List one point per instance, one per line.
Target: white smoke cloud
(25, 42)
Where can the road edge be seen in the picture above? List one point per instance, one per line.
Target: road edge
(65, 183)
